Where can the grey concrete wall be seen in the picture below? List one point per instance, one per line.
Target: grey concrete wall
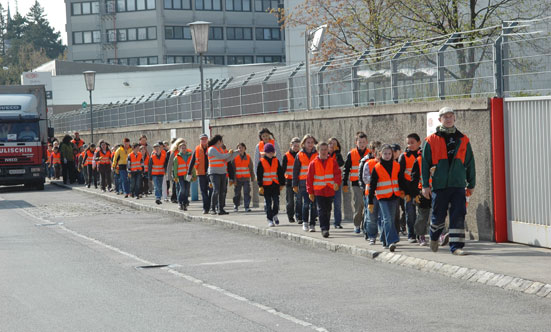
(389, 124)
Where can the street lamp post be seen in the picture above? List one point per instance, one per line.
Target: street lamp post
(90, 80)
(200, 36)
(312, 42)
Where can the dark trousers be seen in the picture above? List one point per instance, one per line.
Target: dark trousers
(206, 192)
(105, 174)
(271, 199)
(68, 172)
(219, 183)
(454, 200)
(308, 207)
(136, 182)
(57, 171)
(246, 185)
(183, 190)
(92, 174)
(174, 195)
(145, 184)
(324, 211)
(294, 203)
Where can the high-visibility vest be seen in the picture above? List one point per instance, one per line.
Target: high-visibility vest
(182, 166)
(242, 170)
(439, 150)
(200, 161)
(304, 163)
(158, 164)
(323, 176)
(48, 156)
(355, 167)
(214, 161)
(290, 164)
(371, 164)
(410, 160)
(387, 185)
(270, 172)
(419, 162)
(261, 146)
(56, 158)
(136, 162)
(89, 157)
(104, 158)
(78, 143)
(146, 159)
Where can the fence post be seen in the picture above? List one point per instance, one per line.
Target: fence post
(321, 97)
(291, 88)
(355, 78)
(241, 91)
(440, 65)
(394, 72)
(501, 68)
(262, 87)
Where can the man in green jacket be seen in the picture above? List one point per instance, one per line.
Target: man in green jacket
(448, 158)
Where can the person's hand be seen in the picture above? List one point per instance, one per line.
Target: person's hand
(232, 182)
(188, 178)
(176, 180)
(370, 207)
(418, 199)
(408, 198)
(230, 151)
(261, 191)
(295, 189)
(281, 188)
(210, 185)
(335, 187)
(311, 196)
(345, 189)
(469, 192)
(129, 175)
(427, 193)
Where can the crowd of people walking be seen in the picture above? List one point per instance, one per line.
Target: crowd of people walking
(430, 178)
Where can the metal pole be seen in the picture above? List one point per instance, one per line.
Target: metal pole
(211, 98)
(91, 119)
(202, 94)
(307, 61)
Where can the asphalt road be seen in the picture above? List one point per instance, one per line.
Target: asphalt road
(70, 262)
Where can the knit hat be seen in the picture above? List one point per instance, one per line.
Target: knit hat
(269, 148)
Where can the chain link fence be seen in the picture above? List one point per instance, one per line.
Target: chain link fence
(513, 59)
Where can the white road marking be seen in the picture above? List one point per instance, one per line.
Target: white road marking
(187, 277)
(236, 261)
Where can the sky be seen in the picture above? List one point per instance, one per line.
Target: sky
(54, 10)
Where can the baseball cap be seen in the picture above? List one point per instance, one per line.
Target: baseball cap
(445, 110)
(269, 148)
(203, 136)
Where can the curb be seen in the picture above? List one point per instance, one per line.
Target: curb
(506, 282)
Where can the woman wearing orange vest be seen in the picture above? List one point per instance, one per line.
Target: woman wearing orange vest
(48, 160)
(180, 170)
(323, 180)
(244, 173)
(156, 169)
(335, 153)
(371, 219)
(135, 168)
(103, 161)
(271, 179)
(300, 171)
(293, 200)
(217, 172)
(200, 163)
(352, 171)
(89, 164)
(56, 162)
(265, 136)
(385, 184)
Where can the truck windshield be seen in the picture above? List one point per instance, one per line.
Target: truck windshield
(19, 131)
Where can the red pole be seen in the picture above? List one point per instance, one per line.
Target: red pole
(498, 168)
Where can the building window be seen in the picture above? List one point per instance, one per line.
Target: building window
(96, 37)
(152, 33)
(214, 59)
(111, 36)
(145, 60)
(268, 34)
(266, 5)
(180, 59)
(132, 34)
(85, 8)
(121, 35)
(77, 38)
(239, 59)
(86, 37)
(177, 32)
(178, 4)
(142, 33)
(132, 5)
(77, 9)
(269, 59)
(208, 4)
(216, 33)
(238, 5)
(239, 33)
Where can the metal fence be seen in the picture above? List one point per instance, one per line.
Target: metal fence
(509, 60)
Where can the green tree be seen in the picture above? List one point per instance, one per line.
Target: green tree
(40, 34)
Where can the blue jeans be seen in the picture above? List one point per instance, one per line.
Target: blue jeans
(136, 184)
(272, 205)
(337, 202)
(206, 192)
(372, 220)
(308, 207)
(125, 183)
(183, 190)
(388, 212)
(117, 179)
(411, 216)
(158, 184)
(454, 198)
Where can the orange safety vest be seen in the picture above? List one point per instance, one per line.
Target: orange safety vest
(410, 160)
(200, 161)
(146, 159)
(387, 186)
(242, 167)
(261, 147)
(182, 166)
(290, 164)
(89, 158)
(56, 158)
(136, 162)
(79, 144)
(439, 150)
(214, 161)
(104, 158)
(158, 164)
(323, 176)
(48, 155)
(270, 172)
(304, 163)
(419, 162)
(355, 168)
(371, 164)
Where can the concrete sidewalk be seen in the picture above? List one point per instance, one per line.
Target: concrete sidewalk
(510, 266)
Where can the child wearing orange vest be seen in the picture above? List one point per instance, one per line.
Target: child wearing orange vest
(135, 168)
(48, 160)
(300, 173)
(351, 170)
(423, 204)
(145, 176)
(294, 202)
(103, 162)
(56, 162)
(156, 169)
(265, 136)
(271, 179)
(406, 161)
(371, 219)
(385, 184)
(335, 153)
(89, 164)
(244, 173)
(323, 180)
(180, 170)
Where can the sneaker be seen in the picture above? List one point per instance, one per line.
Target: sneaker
(213, 212)
(444, 239)
(158, 202)
(276, 220)
(125, 196)
(270, 223)
(371, 241)
(392, 247)
(247, 210)
(118, 193)
(222, 212)
(422, 241)
(166, 199)
(138, 197)
(205, 212)
(412, 240)
(459, 252)
(312, 229)
(87, 186)
(235, 209)
(357, 230)
(325, 233)
(291, 220)
(103, 190)
(299, 222)
(305, 227)
(180, 206)
(434, 245)
(338, 227)
(185, 207)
